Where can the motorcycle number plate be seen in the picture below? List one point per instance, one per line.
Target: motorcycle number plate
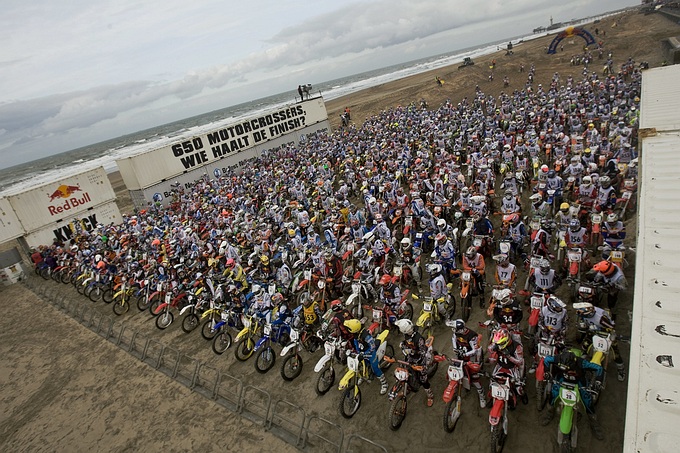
(585, 290)
(308, 274)
(469, 223)
(168, 298)
(224, 316)
(574, 256)
(597, 218)
(294, 335)
(401, 374)
(505, 247)
(350, 247)
(536, 262)
(545, 350)
(535, 225)
(322, 284)
(356, 287)
(455, 373)
(272, 289)
(600, 344)
(353, 363)
(617, 255)
(377, 314)
(329, 348)
(419, 235)
(498, 391)
(477, 242)
(427, 306)
(465, 276)
(626, 195)
(408, 221)
(267, 329)
(536, 302)
(568, 395)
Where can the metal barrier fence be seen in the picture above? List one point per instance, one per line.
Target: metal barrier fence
(288, 421)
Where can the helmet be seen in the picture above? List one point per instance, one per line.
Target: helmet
(587, 151)
(536, 198)
(587, 180)
(584, 309)
(471, 252)
(512, 218)
(551, 174)
(544, 168)
(605, 182)
(503, 259)
(405, 326)
(501, 338)
(611, 218)
(97, 258)
(264, 259)
(508, 194)
(406, 243)
(566, 360)
(574, 225)
(503, 296)
(385, 279)
(464, 191)
(441, 223)
(378, 217)
(458, 325)
(605, 267)
(433, 268)
(372, 200)
(555, 305)
(257, 289)
(564, 206)
(291, 233)
(440, 237)
(574, 160)
(353, 325)
(336, 305)
(231, 263)
(545, 266)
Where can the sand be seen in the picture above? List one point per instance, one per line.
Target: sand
(66, 389)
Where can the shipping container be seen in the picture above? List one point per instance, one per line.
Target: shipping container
(66, 198)
(10, 227)
(186, 154)
(64, 230)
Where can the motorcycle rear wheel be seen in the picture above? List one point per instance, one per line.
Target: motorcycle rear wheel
(349, 402)
(265, 360)
(221, 342)
(397, 412)
(325, 380)
(291, 367)
(497, 438)
(452, 413)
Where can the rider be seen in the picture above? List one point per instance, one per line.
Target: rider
(544, 279)
(613, 231)
(552, 320)
(506, 272)
(417, 353)
(508, 354)
(337, 323)
(570, 368)
(468, 346)
(445, 252)
(473, 261)
(390, 294)
(597, 319)
(365, 343)
(613, 279)
(507, 312)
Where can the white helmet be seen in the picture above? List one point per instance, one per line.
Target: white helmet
(611, 218)
(406, 243)
(441, 223)
(587, 180)
(405, 326)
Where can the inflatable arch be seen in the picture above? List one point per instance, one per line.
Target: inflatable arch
(568, 33)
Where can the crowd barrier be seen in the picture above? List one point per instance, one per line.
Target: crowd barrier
(288, 421)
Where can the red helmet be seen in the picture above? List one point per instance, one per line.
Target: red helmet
(605, 267)
(336, 305)
(231, 263)
(385, 279)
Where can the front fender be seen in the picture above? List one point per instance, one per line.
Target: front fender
(321, 363)
(540, 371)
(450, 391)
(160, 308)
(344, 382)
(496, 412)
(566, 419)
(423, 319)
(288, 348)
(533, 317)
(185, 309)
(242, 334)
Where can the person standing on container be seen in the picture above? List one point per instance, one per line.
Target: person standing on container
(302, 98)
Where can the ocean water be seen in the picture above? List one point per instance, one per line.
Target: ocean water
(105, 153)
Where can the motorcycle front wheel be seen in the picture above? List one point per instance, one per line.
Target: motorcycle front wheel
(107, 295)
(164, 320)
(291, 367)
(497, 438)
(120, 306)
(244, 350)
(466, 306)
(265, 360)
(143, 302)
(325, 380)
(207, 331)
(407, 312)
(452, 413)
(397, 412)
(221, 342)
(349, 402)
(190, 322)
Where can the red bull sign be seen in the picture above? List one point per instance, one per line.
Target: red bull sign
(69, 202)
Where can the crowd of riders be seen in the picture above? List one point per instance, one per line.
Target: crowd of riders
(491, 187)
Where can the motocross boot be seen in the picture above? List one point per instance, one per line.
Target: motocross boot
(383, 384)
(482, 398)
(430, 397)
(548, 415)
(595, 427)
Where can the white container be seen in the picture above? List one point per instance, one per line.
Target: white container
(63, 231)
(66, 198)
(10, 227)
(11, 274)
(189, 153)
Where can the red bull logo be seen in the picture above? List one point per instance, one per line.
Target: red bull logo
(64, 192)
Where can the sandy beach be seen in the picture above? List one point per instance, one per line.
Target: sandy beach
(66, 389)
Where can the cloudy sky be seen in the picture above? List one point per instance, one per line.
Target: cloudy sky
(81, 71)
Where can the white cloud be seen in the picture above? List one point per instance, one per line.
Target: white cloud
(93, 66)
